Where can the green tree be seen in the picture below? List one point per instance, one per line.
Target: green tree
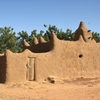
(48, 32)
(22, 36)
(34, 34)
(7, 40)
(68, 35)
(96, 36)
(45, 25)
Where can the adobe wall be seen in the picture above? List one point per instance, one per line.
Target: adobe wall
(64, 62)
(68, 59)
(16, 66)
(71, 59)
(63, 59)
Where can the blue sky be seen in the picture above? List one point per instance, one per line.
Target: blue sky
(28, 15)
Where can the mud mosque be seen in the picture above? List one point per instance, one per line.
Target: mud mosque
(63, 59)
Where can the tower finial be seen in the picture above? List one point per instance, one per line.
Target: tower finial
(26, 44)
(41, 40)
(82, 24)
(35, 41)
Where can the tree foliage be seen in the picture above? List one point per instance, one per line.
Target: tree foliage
(96, 36)
(7, 40)
(14, 42)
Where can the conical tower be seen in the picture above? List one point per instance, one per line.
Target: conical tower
(84, 32)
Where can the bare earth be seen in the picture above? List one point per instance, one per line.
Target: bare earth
(80, 89)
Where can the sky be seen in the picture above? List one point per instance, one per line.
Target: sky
(27, 15)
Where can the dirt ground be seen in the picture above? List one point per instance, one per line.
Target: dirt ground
(80, 89)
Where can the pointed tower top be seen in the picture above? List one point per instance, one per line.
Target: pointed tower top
(84, 32)
(26, 44)
(35, 41)
(41, 40)
(82, 24)
(53, 36)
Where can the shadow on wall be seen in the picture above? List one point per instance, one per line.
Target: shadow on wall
(2, 69)
(42, 46)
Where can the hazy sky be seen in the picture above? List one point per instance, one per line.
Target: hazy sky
(28, 15)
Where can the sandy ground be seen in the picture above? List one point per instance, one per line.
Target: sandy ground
(80, 89)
